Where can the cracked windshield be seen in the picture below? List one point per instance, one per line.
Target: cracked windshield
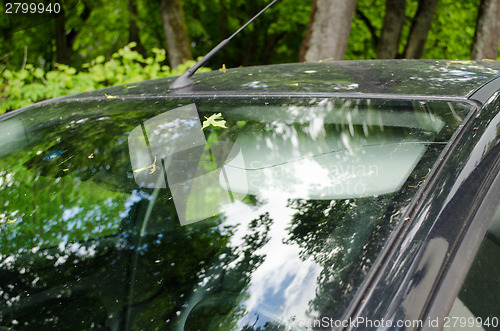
(210, 213)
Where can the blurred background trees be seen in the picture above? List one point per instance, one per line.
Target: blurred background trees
(84, 33)
(85, 29)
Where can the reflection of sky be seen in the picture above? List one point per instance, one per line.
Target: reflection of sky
(255, 84)
(449, 74)
(281, 288)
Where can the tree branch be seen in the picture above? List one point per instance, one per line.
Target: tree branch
(369, 25)
(388, 43)
(420, 28)
(25, 56)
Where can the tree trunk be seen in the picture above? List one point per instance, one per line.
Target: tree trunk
(388, 43)
(328, 30)
(7, 43)
(420, 28)
(64, 48)
(66, 39)
(174, 26)
(487, 34)
(133, 32)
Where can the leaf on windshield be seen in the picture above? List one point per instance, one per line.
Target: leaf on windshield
(152, 167)
(459, 62)
(214, 120)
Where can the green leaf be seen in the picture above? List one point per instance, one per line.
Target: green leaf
(100, 59)
(38, 73)
(215, 120)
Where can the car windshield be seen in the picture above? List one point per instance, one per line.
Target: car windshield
(214, 213)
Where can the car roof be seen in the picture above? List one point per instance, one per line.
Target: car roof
(445, 80)
(425, 78)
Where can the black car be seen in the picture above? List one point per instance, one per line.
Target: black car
(312, 196)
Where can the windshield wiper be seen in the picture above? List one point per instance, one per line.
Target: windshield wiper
(185, 79)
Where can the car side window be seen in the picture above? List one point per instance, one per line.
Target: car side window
(478, 303)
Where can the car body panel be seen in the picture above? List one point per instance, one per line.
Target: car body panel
(409, 77)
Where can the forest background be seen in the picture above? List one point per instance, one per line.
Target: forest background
(90, 44)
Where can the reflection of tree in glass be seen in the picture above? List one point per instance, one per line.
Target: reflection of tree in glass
(228, 279)
(59, 255)
(268, 326)
(194, 271)
(59, 194)
(343, 236)
(73, 286)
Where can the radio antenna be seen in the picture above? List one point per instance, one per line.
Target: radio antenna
(185, 79)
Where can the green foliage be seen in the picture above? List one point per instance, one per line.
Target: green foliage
(105, 31)
(452, 31)
(361, 44)
(28, 85)
(275, 37)
(361, 41)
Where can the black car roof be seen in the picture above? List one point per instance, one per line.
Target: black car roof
(455, 79)
(446, 80)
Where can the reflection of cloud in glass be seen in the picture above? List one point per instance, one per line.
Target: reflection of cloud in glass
(330, 171)
(284, 284)
(14, 137)
(171, 148)
(370, 151)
